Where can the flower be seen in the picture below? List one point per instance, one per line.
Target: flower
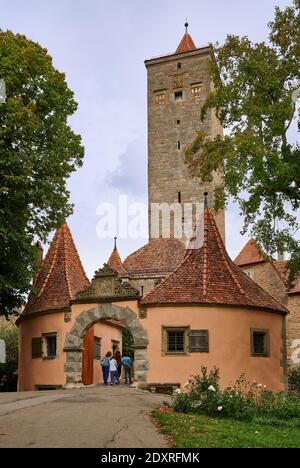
(259, 385)
(178, 391)
(186, 384)
(265, 386)
(220, 408)
(211, 388)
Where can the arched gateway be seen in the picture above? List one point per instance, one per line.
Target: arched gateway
(74, 341)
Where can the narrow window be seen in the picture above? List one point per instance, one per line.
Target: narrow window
(97, 348)
(198, 341)
(260, 343)
(179, 197)
(115, 345)
(179, 145)
(51, 345)
(179, 66)
(178, 95)
(178, 122)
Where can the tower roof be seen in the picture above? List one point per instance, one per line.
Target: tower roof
(249, 254)
(60, 277)
(186, 42)
(116, 263)
(159, 256)
(208, 276)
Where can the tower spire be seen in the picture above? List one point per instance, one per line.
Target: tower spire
(186, 25)
(186, 43)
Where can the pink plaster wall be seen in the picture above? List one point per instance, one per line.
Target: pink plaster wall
(40, 371)
(229, 343)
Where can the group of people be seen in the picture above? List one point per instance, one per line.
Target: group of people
(112, 365)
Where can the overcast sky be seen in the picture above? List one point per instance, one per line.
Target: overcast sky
(101, 46)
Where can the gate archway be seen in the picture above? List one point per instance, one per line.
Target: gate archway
(74, 341)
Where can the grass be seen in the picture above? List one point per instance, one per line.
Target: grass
(190, 431)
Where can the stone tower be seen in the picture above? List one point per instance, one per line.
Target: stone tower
(178, 85)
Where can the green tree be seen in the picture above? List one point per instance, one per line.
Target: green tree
(128, 344)
(255, 97)
(38, 152)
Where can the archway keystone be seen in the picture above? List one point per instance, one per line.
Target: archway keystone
(74, 341)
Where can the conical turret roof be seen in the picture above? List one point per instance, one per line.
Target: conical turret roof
(208, 276)
(60, 278)
(186, 42)
(116, 263)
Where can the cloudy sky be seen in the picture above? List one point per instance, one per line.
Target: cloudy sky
(101, 46)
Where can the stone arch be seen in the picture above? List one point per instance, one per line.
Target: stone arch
(74, 341)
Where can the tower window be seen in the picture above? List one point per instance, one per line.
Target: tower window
(179, 197)
(260, 343)
(178, 122)
(196, 89)
(159, 98)
(178, 95)
(179, 145)
(179, 66)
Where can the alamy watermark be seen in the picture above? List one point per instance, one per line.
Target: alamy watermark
(296, 354)
(2, 352)
(130, 221)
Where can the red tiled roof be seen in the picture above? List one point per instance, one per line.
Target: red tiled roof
(249, 254)
(208, 276)
(159, 256)
(186, 44)
(60, 278)
(282, 271)
(116, 264)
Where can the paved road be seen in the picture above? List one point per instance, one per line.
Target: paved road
(93, 417)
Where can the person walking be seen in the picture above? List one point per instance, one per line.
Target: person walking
(118, 358)
(127, 364)
(113, 368)
(105, 366)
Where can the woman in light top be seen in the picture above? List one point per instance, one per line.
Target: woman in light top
(113, 368)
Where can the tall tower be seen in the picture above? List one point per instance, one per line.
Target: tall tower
(178, 85)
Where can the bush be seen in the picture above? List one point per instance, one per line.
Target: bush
(243, 400)
(294, 380)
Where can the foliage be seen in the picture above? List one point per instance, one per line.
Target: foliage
(243, 400)
(38, 152)
(128, 345)
(294, 379)
(198, 431)
(256, 86)
(9, 333)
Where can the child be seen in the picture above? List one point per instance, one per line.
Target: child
(113, 368)
(105, 366)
